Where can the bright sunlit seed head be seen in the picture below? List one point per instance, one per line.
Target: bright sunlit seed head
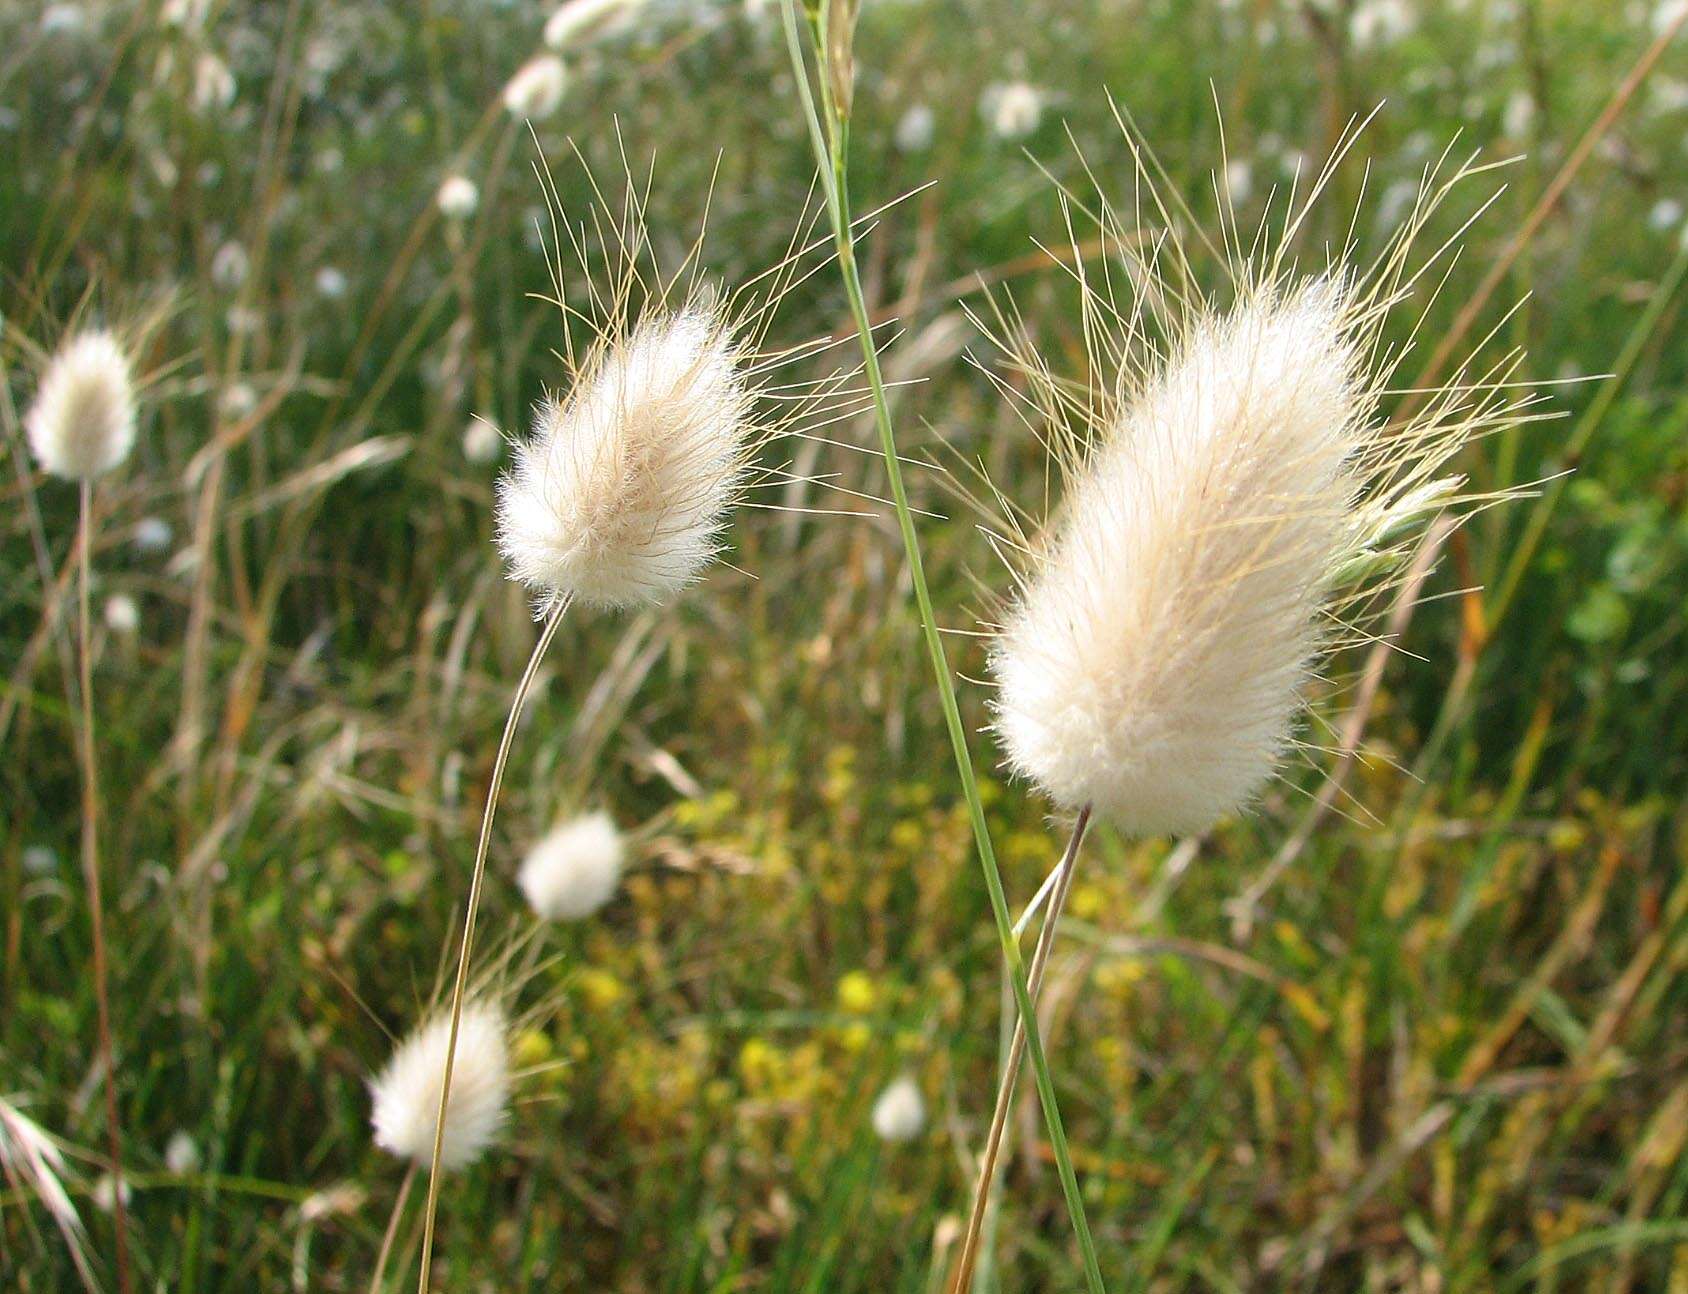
(1232, 498)
(900, 1112)
(1155, 663)
(82, 423)
(536, 90)
(574, 870)
(406, 1094)
(620, 496)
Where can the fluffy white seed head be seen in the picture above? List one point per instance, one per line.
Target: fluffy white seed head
(574, 870)
(621, 494)
(1013, 110)
(106, 1192)
(536, 90)
(181, 1152)
(458, 197)
(915, 129)
(1232, 497)
(213, 84)
(152, 535)
(576, 19)
(406, 1094)
(122, 615)
(900, 1112)
(482, 442)
(82, 423)
(1154, 664)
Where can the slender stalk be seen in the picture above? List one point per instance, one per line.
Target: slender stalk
(91, 879)
(466, 947)
(1063, 881)
(831, 154)
(392, 1229)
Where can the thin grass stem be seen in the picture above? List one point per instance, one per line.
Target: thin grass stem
(91, 878)
(1062, 879)
(466, 947)
(831, 155)
(392, 1229)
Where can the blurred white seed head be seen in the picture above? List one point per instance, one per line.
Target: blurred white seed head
(229, 266)
(621, 494)
(574, 869)
(915, 129)
(482, 442)
(1012, 111)
(106, 1192)
(458, 197)
(82, 423)
(181, 1152)
(536, 90)
(900, 1112)
(406, 1094)
(331, 282)
(213, 84)
(236, 400)
(40, 860)
(576, 19)
(122, 616)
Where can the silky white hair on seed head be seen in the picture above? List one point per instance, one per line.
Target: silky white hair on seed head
(622, 492)
(406, 1094)
(82, 423)
(1228, 505)
(574, 869)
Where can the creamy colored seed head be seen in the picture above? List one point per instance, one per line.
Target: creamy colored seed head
(406, 1094)
(82, 423)
(574, 869)
(899, 1114)
(536, 90)
(1155, 661)
(621, 495)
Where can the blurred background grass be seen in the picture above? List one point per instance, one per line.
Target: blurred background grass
(1445, 1050)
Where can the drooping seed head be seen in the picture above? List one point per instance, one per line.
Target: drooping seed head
(574, 869)
(82, 423)
(406, 1094)
(621, 494)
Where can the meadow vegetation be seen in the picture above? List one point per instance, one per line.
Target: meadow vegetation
(1413, 1022)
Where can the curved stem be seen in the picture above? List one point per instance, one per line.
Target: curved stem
(466, 947)
(91, 878)
(1062, 878)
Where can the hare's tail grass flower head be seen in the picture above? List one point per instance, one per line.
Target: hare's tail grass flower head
(82, 422)
(621, 494)
(536, 90)
(1219, 504)
(899, 1113)
(406, 1094)
(574, 869)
